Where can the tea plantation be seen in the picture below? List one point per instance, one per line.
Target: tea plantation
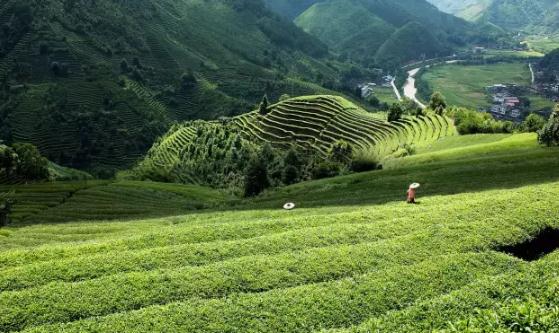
(310, 123)
(353, 256)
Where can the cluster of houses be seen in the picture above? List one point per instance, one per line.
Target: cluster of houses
(550, 90)
(368, 89)
(504, 104)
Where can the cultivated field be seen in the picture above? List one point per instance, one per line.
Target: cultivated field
(465, 85)
(352, 257)
(312, 123)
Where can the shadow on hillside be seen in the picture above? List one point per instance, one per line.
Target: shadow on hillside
(437, 179)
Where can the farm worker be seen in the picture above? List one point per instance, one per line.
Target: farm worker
(411, 192)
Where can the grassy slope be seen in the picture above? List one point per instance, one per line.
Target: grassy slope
(465, 85)
(264, 270)
(98, 200)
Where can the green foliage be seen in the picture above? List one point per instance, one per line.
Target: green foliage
(326, 169)
(256, 176)
(438, 103)
(472, 122)
(533, 123)
(395, 112)
(549, 134)
(22, 161)
(341, 152)
(263, 107)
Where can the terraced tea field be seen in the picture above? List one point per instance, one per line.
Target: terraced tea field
(314, 123)
(352, 258)
(98, 200)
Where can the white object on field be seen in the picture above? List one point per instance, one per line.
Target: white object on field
(289, 206)
(415, 185)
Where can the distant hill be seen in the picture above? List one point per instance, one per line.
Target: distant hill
(407, 43)
(352, 30)
(357, 29)
(529, 16)
(467, 9)
(93, 83)
(311, 123)
(290, 8)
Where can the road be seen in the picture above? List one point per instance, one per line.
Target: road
(533, 74)
(396, 91)
(410, 91)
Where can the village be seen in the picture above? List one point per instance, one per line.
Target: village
(368, 89)
(505, 104)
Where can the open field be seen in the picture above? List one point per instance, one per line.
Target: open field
(492, 53)
(391, 267)
(385, 95)
(544, 44)
(465, 85)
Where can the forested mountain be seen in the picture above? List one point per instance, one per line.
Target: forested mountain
(358, 29)
(93, 83)
(529, 16)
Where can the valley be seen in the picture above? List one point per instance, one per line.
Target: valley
(296, 166)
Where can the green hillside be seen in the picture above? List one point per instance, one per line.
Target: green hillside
(411, 42)
(311, 124)
(470, 10)
(105, 200)
(92, 85)
(290, 8)
(352, 29)
(357, 29)
(352, 257)
(529, 16)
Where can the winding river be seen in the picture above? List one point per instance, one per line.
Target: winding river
(410, 91)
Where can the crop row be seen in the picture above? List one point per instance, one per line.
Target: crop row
(304, 308)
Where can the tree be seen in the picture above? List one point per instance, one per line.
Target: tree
(438, 103)
(8, 161)
(395, 112)
(32, 166)
(374, 101)
(256, 177)
(188, 80)
(341, 151)
(290, 175)
(263, 108)
(5, 208)
(124, 68)
(549, 134)
(533, 123)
